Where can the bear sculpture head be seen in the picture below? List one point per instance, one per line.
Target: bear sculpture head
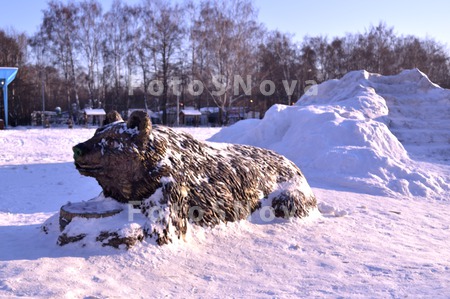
(118, 156)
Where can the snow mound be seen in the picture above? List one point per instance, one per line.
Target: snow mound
(355, 132)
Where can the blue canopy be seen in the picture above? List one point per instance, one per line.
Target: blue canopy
(7, 75)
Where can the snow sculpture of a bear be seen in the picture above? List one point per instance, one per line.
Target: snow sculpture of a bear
(176, 178)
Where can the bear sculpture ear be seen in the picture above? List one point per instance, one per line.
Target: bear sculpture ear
(111, 117)
(140, 121)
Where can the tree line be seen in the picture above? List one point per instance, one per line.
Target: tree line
(212, 53)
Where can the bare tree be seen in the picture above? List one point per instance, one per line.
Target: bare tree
(278, 62)
(57, 32)
(114, 51)
(144, 45)
(381, 39)
(88, 36)
(228, 33)
(10, 54)
(308, 71)
(335, 66)
(168, 35)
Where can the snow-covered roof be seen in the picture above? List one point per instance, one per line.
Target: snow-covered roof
(191, 112)
(210, 109)
(90, 112)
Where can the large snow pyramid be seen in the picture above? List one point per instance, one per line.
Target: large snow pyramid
(354, 133)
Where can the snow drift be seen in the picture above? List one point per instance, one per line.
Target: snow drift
(355, 132)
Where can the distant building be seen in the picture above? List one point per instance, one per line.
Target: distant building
(94, 116)
(190, 117)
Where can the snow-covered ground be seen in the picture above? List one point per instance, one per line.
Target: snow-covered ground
(376, 151)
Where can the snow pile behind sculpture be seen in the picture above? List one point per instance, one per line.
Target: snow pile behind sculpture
(352, 133)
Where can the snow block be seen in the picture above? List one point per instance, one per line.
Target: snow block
(175, 178)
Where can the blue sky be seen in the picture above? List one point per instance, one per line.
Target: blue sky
(300, 17)
(337, 17)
